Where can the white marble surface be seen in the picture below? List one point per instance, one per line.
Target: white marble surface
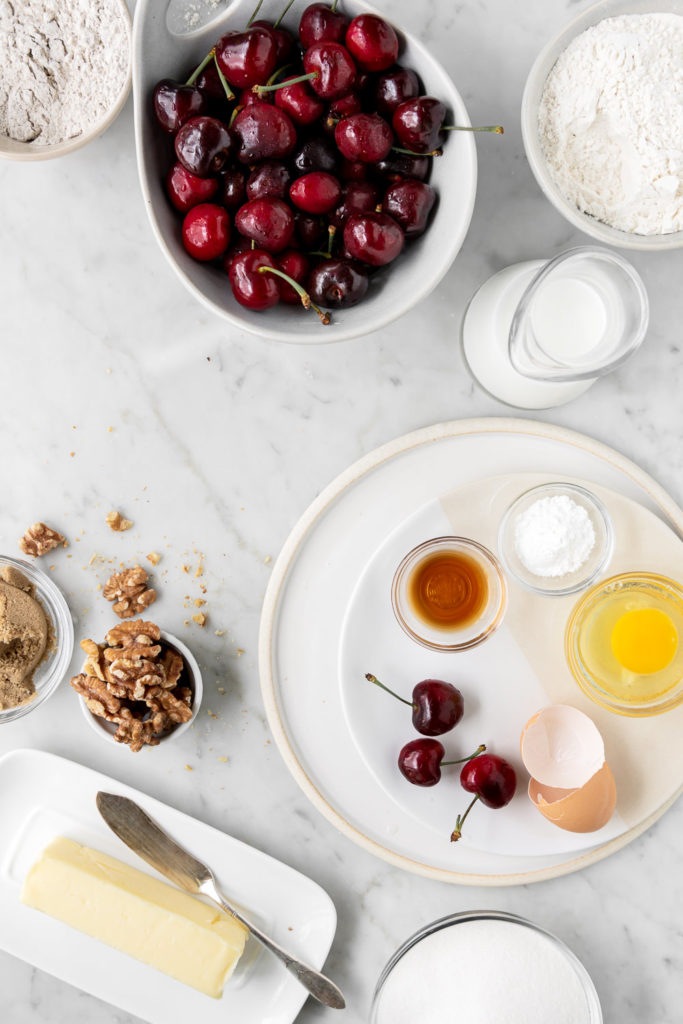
(220, 441)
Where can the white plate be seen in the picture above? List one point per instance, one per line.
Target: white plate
(43, 796)
(311, 589)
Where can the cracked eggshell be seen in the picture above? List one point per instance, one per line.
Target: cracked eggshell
(571, 783)
(580, 810)
(561, 747)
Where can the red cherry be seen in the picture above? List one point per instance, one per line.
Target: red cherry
(206, 231)
(319, 23)
(269, 222)
(393, 87)
(316, 192)
(233, 183)
(365, 137)
(420, 762)
(284, 40)
(294, 264)
(247, 58)
(357, 197)
(185, 190)
(251, 289)
(239, 245)
(437, 706)
(401, 165)
(204, 145)
(343, 107)
(418, 122)
(336, 72)
(493, 781)
(337, 284)
(309, 230)
(264, 133)
(373, 238)
(353, 170)
(300, 102)
(271, 178)
(247, 96)
(208, 81)
(372, 42)
(410, 202)
(175, 104)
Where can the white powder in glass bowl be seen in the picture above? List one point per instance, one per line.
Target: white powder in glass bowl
(485, 972)
(554, 536)
(611, 122)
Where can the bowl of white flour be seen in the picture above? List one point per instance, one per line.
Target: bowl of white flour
(65, 74)
(602, 123)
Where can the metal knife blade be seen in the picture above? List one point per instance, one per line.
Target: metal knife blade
(149, 841)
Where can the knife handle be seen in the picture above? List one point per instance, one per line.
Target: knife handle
(320, 987)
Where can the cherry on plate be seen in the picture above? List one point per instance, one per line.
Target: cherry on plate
(410, 202)
(437, 706)
(372, 42)
(334, 69)
(247, 58)
(320, 24)
(337, 283)
(206, 231)
(317, 192)
(175, 104)
(420, 762)
(267, 221)
(204, 146)
(364, 137)
(186, 190)
(252, 289)
(373, 238)
(493, 781)
(264, 133)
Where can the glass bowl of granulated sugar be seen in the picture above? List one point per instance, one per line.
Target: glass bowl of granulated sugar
(65, 74)
(556, 539)
(602, 123)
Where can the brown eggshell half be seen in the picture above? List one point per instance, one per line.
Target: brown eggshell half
(579, 810)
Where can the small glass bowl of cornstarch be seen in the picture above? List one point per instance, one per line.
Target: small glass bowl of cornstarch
(65, 74)
(556, 539)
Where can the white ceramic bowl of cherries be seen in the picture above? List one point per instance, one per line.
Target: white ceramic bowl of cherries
(308, 178)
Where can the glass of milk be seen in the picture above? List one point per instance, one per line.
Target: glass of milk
(583, 314)
(540, 333)
(482, 967)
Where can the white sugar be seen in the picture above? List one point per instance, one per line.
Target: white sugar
(484, 972)
(554, 536)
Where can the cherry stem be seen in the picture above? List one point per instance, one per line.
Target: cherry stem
(224, 82)
(331, 232)
(411, 152)
(234, 115)
(373, 679)
(480, 750)
(277, 23)
(497, 129)
(197, 72)
(303, 294)
(460, 821)
(333, 8)
(280, 85)
(255, 12)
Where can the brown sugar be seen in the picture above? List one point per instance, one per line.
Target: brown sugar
(24, 635)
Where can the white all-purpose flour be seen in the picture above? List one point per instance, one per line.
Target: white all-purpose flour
(611, 122)
(63, 64)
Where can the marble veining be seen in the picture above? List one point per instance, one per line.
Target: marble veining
(118, 390)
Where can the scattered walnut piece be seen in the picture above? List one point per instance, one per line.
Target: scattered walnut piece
(39, 539)
(135, 681)
(116, 522)
(154, 557)
(200, 619)
(129, 592)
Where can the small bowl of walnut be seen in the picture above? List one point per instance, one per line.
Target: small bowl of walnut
(140, 687)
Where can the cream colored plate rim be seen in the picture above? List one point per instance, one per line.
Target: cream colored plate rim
(287, 556)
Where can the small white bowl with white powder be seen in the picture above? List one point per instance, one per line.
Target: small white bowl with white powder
(485, 968)
(556, 539)
(65, 74)
(602, 122)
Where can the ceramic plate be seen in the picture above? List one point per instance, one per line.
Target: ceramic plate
(311, 591)
(43, 796)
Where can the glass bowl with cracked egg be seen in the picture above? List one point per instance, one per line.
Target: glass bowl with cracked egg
(568, 583)
(531, 103)
(52, 668)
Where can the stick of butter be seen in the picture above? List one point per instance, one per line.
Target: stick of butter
(137, 914)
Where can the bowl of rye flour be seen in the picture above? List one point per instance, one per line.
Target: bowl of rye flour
(65, 74)
(602, 123)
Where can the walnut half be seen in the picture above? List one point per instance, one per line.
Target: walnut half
(129, 591)
(39, 539)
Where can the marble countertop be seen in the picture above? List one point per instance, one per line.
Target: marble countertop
(119, 390)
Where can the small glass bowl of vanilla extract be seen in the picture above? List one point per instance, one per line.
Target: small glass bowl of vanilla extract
(449, 594)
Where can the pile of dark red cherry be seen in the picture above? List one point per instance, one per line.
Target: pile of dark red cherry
(301, 166)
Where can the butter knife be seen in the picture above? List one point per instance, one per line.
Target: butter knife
(149, 841)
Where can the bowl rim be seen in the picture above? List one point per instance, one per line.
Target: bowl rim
(62, 622)
(581, 673)
(102, 728)
(579, 584)
(253, 323)
(538, 73)
(30, 153)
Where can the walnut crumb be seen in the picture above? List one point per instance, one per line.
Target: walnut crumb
(154, 557)
(188, 768)
(219, 632)
(198, 602)
(116, 522)
(39, 539)
(200, 619)
(224, 760)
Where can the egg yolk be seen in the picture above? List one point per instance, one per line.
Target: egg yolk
(644, 640)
